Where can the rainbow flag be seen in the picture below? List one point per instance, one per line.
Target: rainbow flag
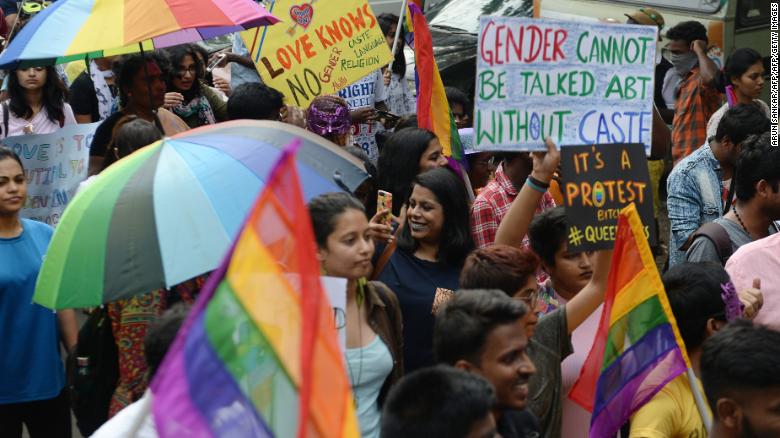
(638, 348)
(258, 355)
(433, 111)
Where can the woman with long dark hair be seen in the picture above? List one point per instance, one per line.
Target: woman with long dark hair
(432, 245)
(188, 97)
(374, 354)
(744, 72)
(400, 99)
(36, 103)
(405, 154)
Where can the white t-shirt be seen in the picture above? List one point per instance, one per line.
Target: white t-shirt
(134, 421)
(712, 124)
(576, 420)
(366, 93)
(41, 124)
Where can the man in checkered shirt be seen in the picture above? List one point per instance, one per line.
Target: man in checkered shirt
(494, 200)
(697, 97)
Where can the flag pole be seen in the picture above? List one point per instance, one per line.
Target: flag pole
(401, 16)
(704, 411)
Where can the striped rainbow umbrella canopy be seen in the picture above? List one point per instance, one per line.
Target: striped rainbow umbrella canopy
(169, 211)
(72, 29)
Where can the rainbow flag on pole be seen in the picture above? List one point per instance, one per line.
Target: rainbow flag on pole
(433, 111)
(258, 355)
(638, 348)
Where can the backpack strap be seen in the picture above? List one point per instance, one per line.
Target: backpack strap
(6, 117)
(383, 259)
(717, 235)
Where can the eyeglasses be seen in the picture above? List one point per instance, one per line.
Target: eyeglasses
(531, 300)
(183, 71)
(490, 162)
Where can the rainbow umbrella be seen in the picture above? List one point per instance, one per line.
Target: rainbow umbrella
(73, 29)
(169, 211)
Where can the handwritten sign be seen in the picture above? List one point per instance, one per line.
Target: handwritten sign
(55, 164)
(599, 180)
(575, 82)
(320, 47)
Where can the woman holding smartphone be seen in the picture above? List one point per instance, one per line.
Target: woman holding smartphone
(425, 263)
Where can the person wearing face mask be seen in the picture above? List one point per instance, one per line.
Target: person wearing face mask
(374, 354)
(697, 95)
(744, 73)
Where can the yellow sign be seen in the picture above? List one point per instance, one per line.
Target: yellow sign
(320, 47)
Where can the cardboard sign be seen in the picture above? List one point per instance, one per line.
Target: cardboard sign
(319, 47)
(575, 82)
(599, 180)
(55, 164)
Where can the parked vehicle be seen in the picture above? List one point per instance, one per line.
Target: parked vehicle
(730, 23)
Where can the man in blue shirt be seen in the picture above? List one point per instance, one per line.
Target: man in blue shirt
(698, 185)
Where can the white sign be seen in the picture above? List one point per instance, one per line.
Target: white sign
(575, 82)
(55, 164)
(336, 290)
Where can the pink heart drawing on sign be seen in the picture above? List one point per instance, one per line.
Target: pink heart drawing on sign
(302, 14)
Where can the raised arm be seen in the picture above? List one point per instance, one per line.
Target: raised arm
(592, 295)
(708, 70)
(515, 224)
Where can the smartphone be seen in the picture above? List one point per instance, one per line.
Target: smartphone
(217, 60)
(384, 200)
(387, 115)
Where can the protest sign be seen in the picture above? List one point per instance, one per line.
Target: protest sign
(55, 164)
(336, 290)
(319, 47)
(599, 180)
(575, 82)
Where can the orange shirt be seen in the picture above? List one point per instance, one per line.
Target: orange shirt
(696, 103)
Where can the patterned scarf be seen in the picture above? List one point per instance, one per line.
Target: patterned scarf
(201, 106)
(107, 103)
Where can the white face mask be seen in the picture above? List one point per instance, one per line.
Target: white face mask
(683, 63)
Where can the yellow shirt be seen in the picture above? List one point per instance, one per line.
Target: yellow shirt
(671, 413)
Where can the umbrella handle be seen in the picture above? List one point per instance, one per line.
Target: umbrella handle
(338, 179)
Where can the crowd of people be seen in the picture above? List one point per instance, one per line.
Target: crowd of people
(466, 314)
